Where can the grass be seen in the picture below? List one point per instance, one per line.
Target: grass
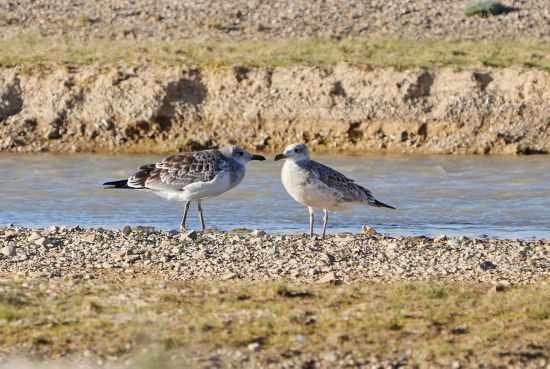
(485, 8)
(398, 53)
(120, 319)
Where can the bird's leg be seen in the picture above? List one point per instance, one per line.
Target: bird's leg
(185, 210)
(325, 221)
(200, 217)
(311, 219)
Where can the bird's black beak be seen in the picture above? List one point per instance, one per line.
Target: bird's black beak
(257, 157)
(279, 157)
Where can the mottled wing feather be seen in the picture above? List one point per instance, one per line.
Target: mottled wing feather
(344, 186)
(175, 172)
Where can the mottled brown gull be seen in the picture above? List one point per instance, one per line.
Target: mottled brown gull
(191, 176)
(320, 187)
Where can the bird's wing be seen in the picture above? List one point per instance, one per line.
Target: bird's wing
(346, 187)
(175, 172)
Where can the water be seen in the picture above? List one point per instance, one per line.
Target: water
(507, 197)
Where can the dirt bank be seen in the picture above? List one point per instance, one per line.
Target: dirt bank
(162, 108)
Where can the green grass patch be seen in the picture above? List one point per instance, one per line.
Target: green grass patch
(398, 53)
(485, 8)
(430, 319)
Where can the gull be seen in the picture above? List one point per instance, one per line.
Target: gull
(191, 176)
(320, 187)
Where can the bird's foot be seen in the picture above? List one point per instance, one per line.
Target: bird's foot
(182, 229)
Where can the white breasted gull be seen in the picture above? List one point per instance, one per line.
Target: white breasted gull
(320, 187)
(191, 176)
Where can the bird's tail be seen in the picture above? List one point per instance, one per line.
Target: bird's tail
(380, 204)
(123, 183)
(369, 199)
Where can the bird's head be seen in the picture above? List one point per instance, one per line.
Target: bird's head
(240, 155)
(294, 152)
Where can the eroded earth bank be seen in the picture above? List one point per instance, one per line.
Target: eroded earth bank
(161, 108)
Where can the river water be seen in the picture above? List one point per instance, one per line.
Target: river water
(506, 197)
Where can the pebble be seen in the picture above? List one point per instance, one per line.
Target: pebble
(8, 251)
(329, 278)
(440, 238)
(254, 346)
(126, 230)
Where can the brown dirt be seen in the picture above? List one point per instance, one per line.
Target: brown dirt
(160, 108)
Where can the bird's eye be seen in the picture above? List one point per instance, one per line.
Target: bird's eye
(297, 150)
(241, 153)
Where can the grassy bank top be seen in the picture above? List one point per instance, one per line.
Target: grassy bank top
(422, 322)
(398, 53)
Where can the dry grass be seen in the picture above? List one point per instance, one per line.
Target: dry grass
(398, 53)
(431, 320)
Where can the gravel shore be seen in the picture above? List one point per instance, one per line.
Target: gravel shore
(74, 252)
(170, 20)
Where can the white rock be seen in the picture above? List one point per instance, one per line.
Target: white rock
(440, 238)
(34, 236)
(8, 250)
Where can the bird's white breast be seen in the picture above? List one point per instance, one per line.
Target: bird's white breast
(307, 189)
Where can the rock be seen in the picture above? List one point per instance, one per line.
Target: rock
(502, 286)
(199, 255)
(8, 251)
(329, 278)
(34, 236)
(254, 346)
(328, 259)
(229, 276)
(440, 238)
(456, 365)
(126, 230)
(191, 235)
(369, 230)
(258, 233)
(132, 258)
(487, 265)
(330, 357)
(459, 330)
(43, 241)
(300, 339)
(120, 254)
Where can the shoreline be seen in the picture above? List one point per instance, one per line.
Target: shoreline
(74, 252)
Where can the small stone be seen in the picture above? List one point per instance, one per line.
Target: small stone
(300, 339)
(459, 330)
(487, 265)
(199, 255)
(229, 276)
(34, 236)
(43, 241)
(328, 259)
(132, 258)
(369, 230)
(440, 238)
(53, 229)
(502, 286)
(456, 365)
(8, 250)
(330, 356)
(254, 346)
(258, 233)
(191, 235)
(126, 230)
(329, 278)
(121, 253)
